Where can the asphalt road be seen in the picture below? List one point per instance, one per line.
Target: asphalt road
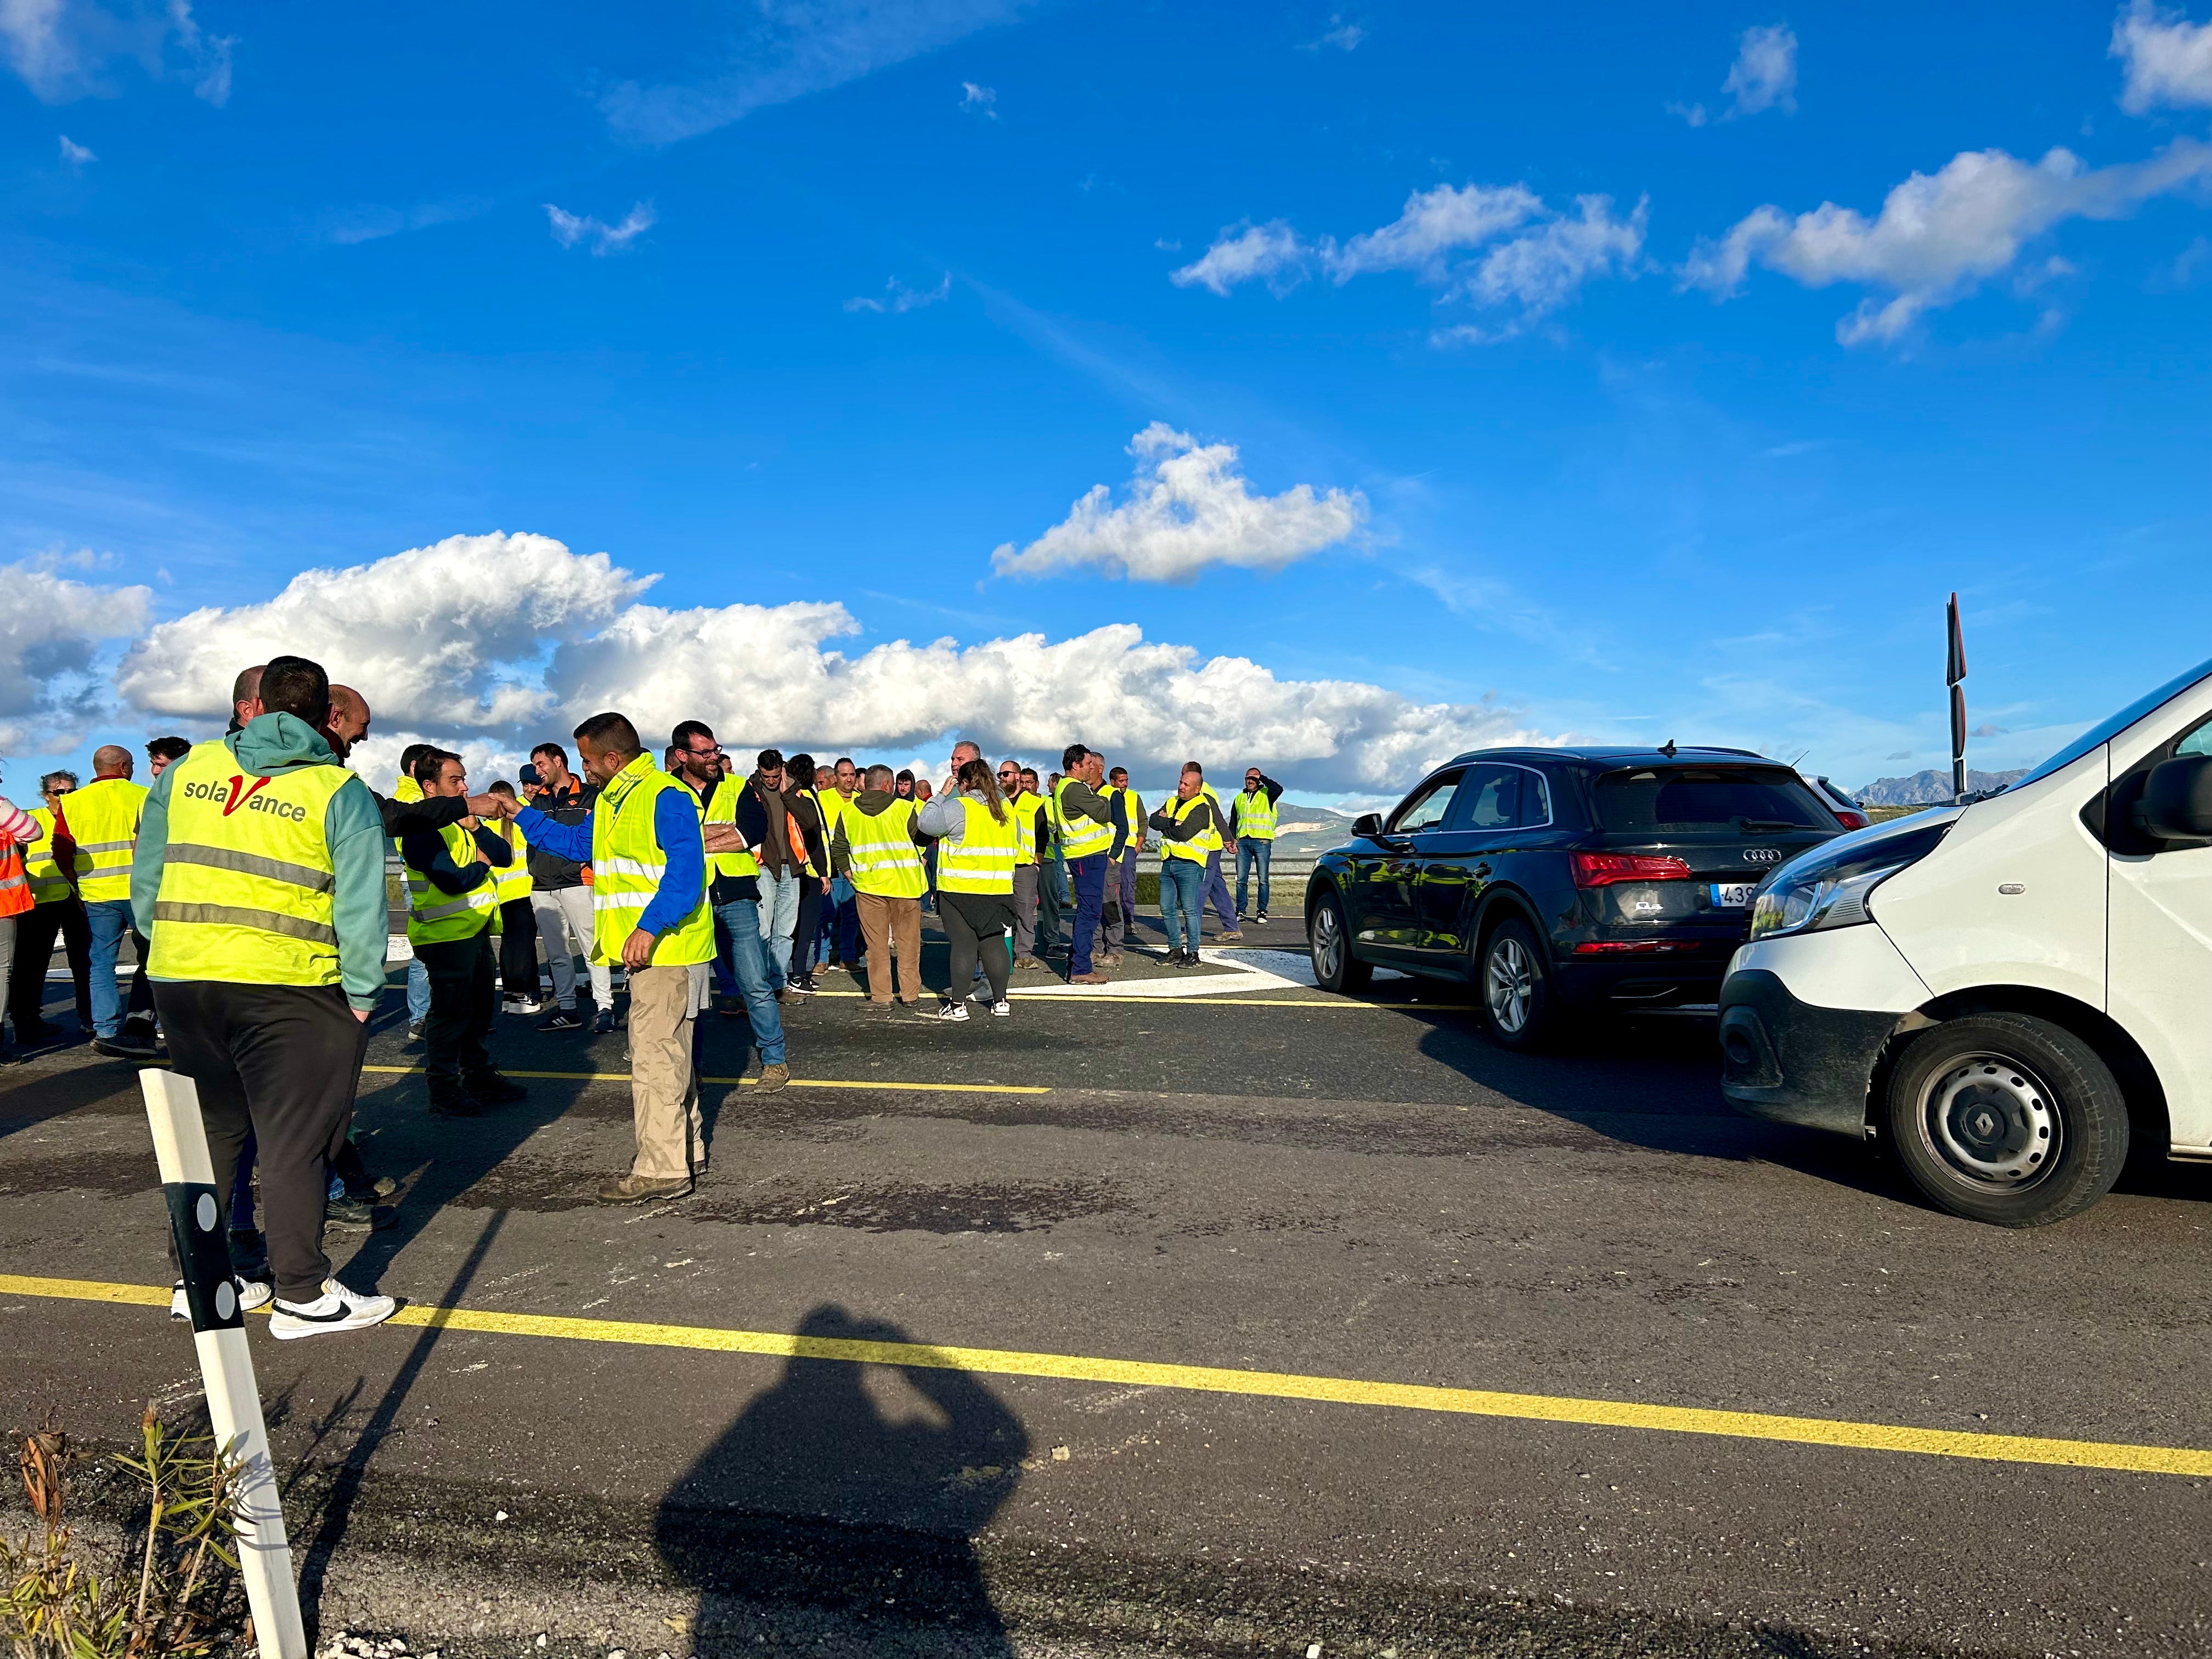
(1266, 1179)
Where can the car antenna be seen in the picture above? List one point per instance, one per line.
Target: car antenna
(1668, 748)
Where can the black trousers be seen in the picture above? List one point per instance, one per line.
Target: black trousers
(36, 929)
(518, 949)
(280, 1061)
(975, 927)
(463, 1001)
(810, 923)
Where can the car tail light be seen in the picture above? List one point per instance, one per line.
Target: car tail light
(1632, 947)
(1604, 869)
(1851, 820)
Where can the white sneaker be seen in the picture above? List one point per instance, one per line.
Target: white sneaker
(951, 1010)
(522, 1005)
(1002, 1008)
(337, 1309)
(252, 1293)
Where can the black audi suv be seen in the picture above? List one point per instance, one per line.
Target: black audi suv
(1559, 880)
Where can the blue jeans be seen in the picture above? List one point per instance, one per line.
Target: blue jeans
(109, 920)
(1181, 881)
(418, 991)
(744, 958)
(1248, 854)
(779, 921)
(1088, 877)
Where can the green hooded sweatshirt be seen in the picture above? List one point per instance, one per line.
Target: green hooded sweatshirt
(268, 746)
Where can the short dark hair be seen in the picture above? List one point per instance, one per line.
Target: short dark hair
(554, 750)
(1119, 772)
(1072, 757)
(841, 760)
(1193, 766)
(610, 732)
(500, 786)
(1030, 772)
(768, 759)
(430, 764)
(879, 770)
(247, 685)
(47, 781)
(168, 749)
(410, 754)
(905, 775)
(802, 766)
(297, 687)
(686, 730)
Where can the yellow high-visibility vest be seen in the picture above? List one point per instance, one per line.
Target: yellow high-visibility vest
(248, 885)
(1253, 816)
(884, 860)
(1079, 838)
(103, 822)
(1024, 807)
(982, 861)
(433, 915)
(1207, 840)
(627, 866)
(48, 885)
(515, 880)
(723, 809)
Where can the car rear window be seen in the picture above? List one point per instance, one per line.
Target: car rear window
(1708, 798)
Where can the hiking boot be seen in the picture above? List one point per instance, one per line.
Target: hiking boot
(1028, 962)
(772, 1077)
(639, 1190)
(1094, 977)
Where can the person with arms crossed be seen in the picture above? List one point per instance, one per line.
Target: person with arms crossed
(1190, 828)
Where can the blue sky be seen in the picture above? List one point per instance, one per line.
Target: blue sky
(1504, 373)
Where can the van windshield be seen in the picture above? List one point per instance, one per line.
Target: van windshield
(1679, 798)
(2106, 731)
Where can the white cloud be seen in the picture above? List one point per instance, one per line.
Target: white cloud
(902, 299)
(1490, 246)
(1187, 508)
(1345, 37)
(209, 55)
(447, 635)
(50, 630)
(1765, 74)
(570, 228)
(979, 101)
(74, 154)
(1937, 238)
(2168, 59)
(797, 47)
(61, 48)
(486, 644)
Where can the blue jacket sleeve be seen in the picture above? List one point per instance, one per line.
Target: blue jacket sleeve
(683, 879)
(566, 840)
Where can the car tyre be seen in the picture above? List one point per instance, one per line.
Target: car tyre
(1514, 983)
(2008, 1119)
(1329, 939)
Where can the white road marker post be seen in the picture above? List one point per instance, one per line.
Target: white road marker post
(197, 1221)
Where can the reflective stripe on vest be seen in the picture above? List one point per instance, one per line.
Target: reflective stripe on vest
(1080, 836)
(15, 886)
(435, 916)
(627, 866)
(247, 884)
(1022, 806)
(103, 821)
(1207, 840)
(515, 880)
(1253, 815)
(982, 861)
(723, 809)
(884, 860)
(48, 885)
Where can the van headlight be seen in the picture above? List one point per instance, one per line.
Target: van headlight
(1829, 887)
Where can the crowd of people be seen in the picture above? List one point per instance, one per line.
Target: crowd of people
(250, 876)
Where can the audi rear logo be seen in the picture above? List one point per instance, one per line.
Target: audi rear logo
(1762, 855)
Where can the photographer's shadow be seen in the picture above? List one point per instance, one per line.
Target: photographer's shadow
(842, 1504)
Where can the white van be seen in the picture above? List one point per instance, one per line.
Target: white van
(2012, 993)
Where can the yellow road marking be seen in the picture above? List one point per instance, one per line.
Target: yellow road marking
(1274, 1385)
(1016, 995)
(796, 1082)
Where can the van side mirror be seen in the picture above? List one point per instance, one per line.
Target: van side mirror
(2176, 799)
(1367, 825)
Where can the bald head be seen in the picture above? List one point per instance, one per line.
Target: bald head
(110, 761)
(348, 715)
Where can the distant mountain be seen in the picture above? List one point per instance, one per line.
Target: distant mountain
(1932, 787)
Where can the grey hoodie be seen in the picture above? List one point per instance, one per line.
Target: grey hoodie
(268, 746)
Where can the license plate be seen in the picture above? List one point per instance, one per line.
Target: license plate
(1733, 895)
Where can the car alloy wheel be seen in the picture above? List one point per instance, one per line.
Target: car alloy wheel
(1327, 944)
(1508, 984)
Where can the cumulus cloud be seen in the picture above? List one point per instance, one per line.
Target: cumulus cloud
(50, 632)
(1490, 246)
(979, 101)
(450, 635)
(1187, 508)
(488, 644)
(1937, 238)
(570, 228)
(1345, 37)
(899, 298)
(1765, 74)
(62, 48)
(74, 154)
(2167, 60)
(793, 48)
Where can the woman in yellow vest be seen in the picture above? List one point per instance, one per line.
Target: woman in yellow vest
(518, 922)
(874, 847)
(979, 840)
(1191, 831)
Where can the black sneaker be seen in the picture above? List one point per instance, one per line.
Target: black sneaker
(1262, 916)
(456, 1105)
(492, 1089)
(603, 1023)
(564, 1019)
(123, 1048)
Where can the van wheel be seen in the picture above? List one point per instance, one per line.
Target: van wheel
(2008, 1119)
(1335, 968)
(1515, 988)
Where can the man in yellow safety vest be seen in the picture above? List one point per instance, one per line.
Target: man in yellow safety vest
(518, 922)
(1252, 820)
(1084, 820)
(876, 847)
(98, 830)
